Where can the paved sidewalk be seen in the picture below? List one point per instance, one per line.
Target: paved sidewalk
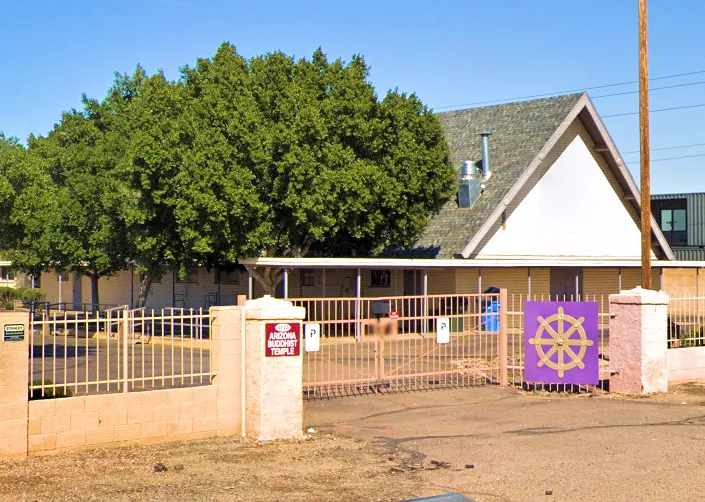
(525, 446)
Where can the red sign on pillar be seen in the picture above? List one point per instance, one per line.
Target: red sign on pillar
(282, 339)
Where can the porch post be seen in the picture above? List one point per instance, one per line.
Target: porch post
(173, 287)
(61, 293)
(577, 285)
(32, 276)
(358, 314)
(529, 284)
(479, 280)
(425, 301)
(323, 285)
(250, 285)
(619, 280)
(286, 283)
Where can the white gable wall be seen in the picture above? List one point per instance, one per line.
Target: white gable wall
(573, 211)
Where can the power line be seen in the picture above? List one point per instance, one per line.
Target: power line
(667, 148)
(681, 157)
(700, 105)
(652, 89)
(519, 98)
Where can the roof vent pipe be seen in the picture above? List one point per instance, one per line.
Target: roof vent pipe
(486, 165)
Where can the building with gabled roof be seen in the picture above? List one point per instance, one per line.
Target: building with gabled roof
(546, 206)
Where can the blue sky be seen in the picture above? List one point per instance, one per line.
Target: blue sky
(448, 52)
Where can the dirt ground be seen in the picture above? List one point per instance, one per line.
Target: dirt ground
(324, 467)
(502, 445)
(490, 444)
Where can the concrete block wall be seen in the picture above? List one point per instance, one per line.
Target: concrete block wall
(686, 365)
(118, 419)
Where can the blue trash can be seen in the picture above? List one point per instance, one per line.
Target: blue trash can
(490, 318)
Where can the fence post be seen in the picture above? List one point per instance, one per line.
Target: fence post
(123, 338)
(638, 342)
(14, 337)
(503, 351)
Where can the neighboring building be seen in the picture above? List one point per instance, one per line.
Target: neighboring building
(7, 276)
(545, 207)
(681, 218)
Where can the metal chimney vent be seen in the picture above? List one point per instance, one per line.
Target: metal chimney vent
(470, 187)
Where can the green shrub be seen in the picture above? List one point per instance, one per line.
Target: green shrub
(32, 295)
(8, 296)
(692, 338)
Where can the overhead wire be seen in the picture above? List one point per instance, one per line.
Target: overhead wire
(677, 147)
(604, 86)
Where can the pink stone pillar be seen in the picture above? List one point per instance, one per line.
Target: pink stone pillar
(273, 369)
(638, 342)
(14, 369)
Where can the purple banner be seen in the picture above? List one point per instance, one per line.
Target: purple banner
(561, 342)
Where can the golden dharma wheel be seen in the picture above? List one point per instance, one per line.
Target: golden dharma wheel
(566, 344)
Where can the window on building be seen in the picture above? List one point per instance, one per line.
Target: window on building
(6, 273)
(190, 278)
(380, 278)
(228, 275)
(673, 220)
(307, 277)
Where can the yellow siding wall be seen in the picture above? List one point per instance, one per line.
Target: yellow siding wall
(466, 281)
(515, 280)
(631, 278)
(600, 281)
(441, 282)
(540, 282)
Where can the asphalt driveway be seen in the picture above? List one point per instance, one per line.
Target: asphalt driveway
(496, 444)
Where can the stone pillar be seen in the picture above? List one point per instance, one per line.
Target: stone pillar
(226, 358)
(14, 369)
(638, 342)
(273, 388)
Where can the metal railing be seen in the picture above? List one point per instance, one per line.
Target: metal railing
(118, 350)
(686, 322)
(515, 335)
(371, 345)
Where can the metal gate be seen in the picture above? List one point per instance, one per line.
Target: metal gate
(388, 344)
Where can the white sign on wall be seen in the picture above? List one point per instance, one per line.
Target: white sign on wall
(443, 330)
(312, 337)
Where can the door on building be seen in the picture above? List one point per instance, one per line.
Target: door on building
(566, 283)
(413, 286)
(77, 297)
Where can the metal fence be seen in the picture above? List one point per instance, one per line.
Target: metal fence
(376, 345)
(515, 337)
(686, 322)
(385, 344)
(117, 350)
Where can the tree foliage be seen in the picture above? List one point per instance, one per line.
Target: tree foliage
(272, 156)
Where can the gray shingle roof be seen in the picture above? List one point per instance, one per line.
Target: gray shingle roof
(519, 131)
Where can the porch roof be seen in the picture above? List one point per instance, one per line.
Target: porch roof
(390, 263)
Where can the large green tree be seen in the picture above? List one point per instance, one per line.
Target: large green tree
(272, 156)
(27, 203)
(86, 231)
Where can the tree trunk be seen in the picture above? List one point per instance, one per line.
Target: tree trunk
(145, 286)
(268, 278)
(95, 298)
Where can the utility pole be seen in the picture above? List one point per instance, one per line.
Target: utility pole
(644, 147)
